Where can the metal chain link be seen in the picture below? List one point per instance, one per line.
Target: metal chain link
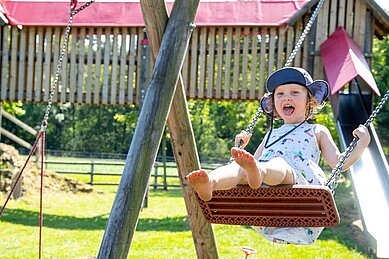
(334, 177)
(72, 13)
(290, 59)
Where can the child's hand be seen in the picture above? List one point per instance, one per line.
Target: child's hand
(242, 137)
(362, 134)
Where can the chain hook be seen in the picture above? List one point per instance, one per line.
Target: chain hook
(73, 5)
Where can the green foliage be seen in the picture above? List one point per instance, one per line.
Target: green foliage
(14, 108)
(81, 128)
(380, 69)
(215, 125)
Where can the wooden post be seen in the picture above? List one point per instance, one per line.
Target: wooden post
(124, 215)
(181, 134)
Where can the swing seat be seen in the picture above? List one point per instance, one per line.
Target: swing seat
(281, 206)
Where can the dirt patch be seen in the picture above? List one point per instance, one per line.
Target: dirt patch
(11, 164)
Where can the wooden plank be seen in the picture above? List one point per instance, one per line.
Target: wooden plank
(131, 67)
(262, 75)
(81, 64)
(106, 65)
(89, 62)
(227, 75)
(254, 56)
(22, 71)
(289, 42)
(30, 64)
(56, 50)
(202, 61)
(138, 94)
(357, 22)
(272, 47)
(39, 65)
(15, 138)
(245, 61)
(185, 72)
(219, 62)
(115, 62)
(332, 16)
(236, 71)
(360, 27)
(73, 66)
(13, 65)
(4, 62)
(350, 17)
(369, 30)
(211, 62)
(47, 63)
(19, 123)
(97, 81)
(305, 47)
(193, 64)
(298, 30)
(122, 73)
(280, 47)
(342, 13)
(65, 71)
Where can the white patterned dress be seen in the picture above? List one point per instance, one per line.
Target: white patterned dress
(299, 148)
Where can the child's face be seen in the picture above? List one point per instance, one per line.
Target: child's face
(290, 102)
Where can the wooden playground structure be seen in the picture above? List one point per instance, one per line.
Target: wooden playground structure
(108, 65)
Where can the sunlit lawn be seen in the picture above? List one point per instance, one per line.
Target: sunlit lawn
(74, 225)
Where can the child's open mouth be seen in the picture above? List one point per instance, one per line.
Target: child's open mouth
(288, 109)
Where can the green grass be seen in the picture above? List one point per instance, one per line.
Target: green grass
(74, 226)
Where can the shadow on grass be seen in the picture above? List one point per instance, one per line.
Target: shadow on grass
(347, 232)
(31, 218)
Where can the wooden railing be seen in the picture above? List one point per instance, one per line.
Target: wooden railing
(109, 65)
(19, 123)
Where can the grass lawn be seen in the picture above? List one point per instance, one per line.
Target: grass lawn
(74, 225)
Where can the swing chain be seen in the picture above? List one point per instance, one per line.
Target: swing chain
(290, 59)
(76, 11)
(304, 33)
(54, 86)
(334, 177)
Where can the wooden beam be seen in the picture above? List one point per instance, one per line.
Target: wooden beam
(182, 137)
(20, 123)
(132, 188)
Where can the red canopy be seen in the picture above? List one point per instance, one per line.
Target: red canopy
(343, 60)
(210, 12)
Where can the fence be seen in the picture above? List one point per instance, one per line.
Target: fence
(163, 176)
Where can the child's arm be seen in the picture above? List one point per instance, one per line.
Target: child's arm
(330, 151)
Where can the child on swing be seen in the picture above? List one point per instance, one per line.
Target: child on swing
(288, 154)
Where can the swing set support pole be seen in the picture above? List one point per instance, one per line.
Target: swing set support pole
(181, 133)
(133, 184)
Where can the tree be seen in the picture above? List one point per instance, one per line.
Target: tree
(380, 70)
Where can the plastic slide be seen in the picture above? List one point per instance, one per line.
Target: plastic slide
(370, 175)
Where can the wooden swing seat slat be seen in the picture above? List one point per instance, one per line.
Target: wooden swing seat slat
(281, 206)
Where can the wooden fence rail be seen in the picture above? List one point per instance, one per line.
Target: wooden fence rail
(160, 177)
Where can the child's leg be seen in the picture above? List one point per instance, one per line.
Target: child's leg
(222, 178)
(252, 169)
(274, 172)
(277, 171)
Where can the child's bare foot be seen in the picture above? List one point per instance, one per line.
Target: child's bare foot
(248, 163)
(199, 180)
